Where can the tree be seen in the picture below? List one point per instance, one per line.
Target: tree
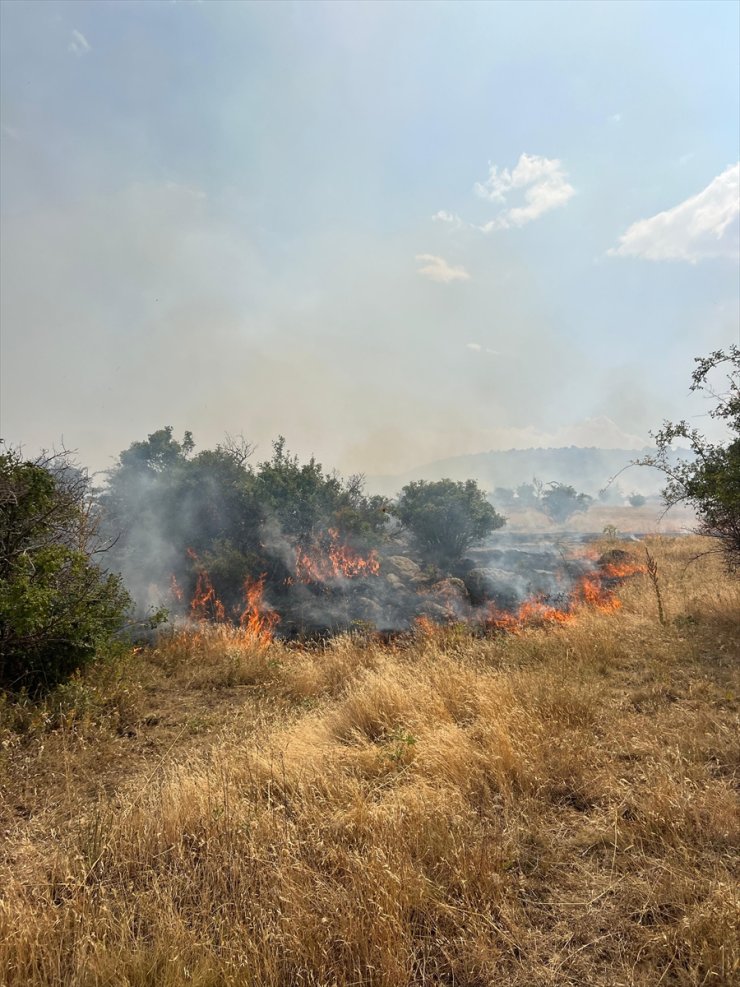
(446, 517)
(58, 608)
(710, 481)
(637, 500)
(560, 502)
(173, 512)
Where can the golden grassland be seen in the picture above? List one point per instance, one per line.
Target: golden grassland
(555, 807)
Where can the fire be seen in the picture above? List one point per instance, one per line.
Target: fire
(621, 570)
(589, 591)
(258, 622)
(175, 589)
(336, 561)
(532, 613)
(205, 604)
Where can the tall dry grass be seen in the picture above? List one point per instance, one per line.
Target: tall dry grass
(554, 807)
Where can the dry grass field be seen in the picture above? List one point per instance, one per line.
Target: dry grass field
(551, 807)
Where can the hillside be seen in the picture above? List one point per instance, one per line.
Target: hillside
(550, 806)
(587, 469)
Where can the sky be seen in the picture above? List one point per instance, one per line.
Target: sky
(391, 232)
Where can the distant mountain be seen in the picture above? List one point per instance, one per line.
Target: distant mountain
(587, 469)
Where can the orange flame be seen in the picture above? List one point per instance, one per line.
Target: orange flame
(255, 620)
(175, 589)
(589, 591)
(338, 561)
(621, 570)
(205, 605)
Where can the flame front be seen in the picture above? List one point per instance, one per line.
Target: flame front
(336, 561)
(590, 591)
(257, 621)
(205, 604)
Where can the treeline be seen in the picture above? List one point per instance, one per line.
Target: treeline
(77, 564)
(171, 513)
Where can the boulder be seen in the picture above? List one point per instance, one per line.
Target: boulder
(450, 590)
(492, 585)
(435, 611)
(406, 569)
(394, 582)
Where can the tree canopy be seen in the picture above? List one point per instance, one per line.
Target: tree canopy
(58, 608)
(446, 517)
(710, 481)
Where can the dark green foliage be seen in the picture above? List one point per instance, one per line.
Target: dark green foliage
(560, 502)
(637, 500)
(446, 517)
(180, 514)
(305, 502)
(58, 609)
(710, 481)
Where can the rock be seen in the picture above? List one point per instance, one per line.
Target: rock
(406, 569)
(492, 585)
(435, 611)
(369, 611)
(394, 582)
(451, 590)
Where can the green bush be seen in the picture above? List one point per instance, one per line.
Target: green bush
(446, 517)
(58, 609)
(709, 482)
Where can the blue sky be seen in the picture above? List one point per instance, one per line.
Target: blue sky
(390, 231)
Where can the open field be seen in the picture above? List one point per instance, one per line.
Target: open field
(554, 807)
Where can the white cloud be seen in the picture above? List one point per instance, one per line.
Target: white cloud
(452, 219)
(542, 180)
(704, 226)
(79, 45)
(615, 118)
(437, 269)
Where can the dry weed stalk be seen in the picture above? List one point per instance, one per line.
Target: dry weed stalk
(652, 571)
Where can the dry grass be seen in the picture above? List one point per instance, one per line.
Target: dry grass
(553, 808)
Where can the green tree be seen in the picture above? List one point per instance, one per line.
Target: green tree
(637, 500)
(305, 502)
(59, 610)
(709, 482)
(560, 502)
(446, 517)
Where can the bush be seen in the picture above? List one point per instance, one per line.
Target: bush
(710, 481)
(561, 501)
(446, 517)
(58, 609)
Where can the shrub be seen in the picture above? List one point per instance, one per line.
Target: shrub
(58, 608)
(710, 481)
(446, 517)
(560, 501)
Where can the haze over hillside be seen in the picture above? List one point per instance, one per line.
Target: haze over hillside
(587, 469)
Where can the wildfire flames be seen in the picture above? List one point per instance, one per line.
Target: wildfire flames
(338, 561)
(590, 591)
(255, 620)
(258, 622)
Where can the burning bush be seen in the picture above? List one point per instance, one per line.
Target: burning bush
(181, 515)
